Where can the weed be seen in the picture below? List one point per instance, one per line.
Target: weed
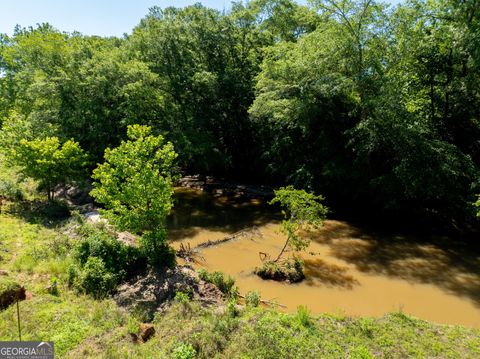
(252, 299)
(304, 316)
(184, 351)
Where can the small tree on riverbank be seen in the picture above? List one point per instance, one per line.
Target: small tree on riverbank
(135, 183)
(301, 210)
(50, 162)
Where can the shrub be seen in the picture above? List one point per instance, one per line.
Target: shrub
(101, 262)
(290, 270)
(9, 182)
(53, 287)
(156, 249)
(10, 189)
(184, 351)
(304, 316)
(117, 257)
(252, 299)
(225, 284)
(182, 297)
(232, 308)
(95, 279)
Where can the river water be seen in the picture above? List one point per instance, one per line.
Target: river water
(349, 270)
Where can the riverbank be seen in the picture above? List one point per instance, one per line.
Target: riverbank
(349, 269)
(37, 256)
(219, 186)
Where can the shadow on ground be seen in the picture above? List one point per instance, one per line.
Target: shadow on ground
(49, 214)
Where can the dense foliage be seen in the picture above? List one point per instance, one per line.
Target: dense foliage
(135, 183)
(101, 262)
(50, 162)
(377, 107)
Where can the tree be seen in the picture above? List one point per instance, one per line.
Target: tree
(50, 162)
(206, 63)
(135, 183)
(283, 20)
(301, 210)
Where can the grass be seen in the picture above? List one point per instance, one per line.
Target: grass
(67, 320)
(7, 284)
(260, 333)
(81, 326)
(32, 252)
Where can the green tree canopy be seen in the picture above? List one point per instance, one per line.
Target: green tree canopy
(50, 162)
(302, 210)
(135, 183)
(372, 105)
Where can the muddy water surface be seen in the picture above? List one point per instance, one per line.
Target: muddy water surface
(348, 270)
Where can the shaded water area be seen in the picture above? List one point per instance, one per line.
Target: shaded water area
(349, 270)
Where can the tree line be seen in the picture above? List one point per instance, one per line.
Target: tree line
(376, 107)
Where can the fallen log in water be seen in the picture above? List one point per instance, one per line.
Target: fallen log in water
(249, 232)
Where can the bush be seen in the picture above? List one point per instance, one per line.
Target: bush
(117, 257)
(53, 287)
(101, 262)
(10, 189)
(252, 299)
(9, 182)
(184, 351)
(232, 308)
(304, 316)
(225, 284)
(290, 270)
(155, 248)
(182, 297)
(95, 279)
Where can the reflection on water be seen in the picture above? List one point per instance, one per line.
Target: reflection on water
(197, 214)
(348, 269)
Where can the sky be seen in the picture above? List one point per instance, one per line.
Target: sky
(90, 17)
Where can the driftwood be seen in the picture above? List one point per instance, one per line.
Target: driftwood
(249, 232)
(267, 302)
(189, 254)
(263, 256)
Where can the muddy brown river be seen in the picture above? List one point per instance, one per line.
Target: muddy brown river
(349, 270)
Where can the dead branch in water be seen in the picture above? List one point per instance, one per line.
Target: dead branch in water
(263, 256)
(249, 232)
(188, 253)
